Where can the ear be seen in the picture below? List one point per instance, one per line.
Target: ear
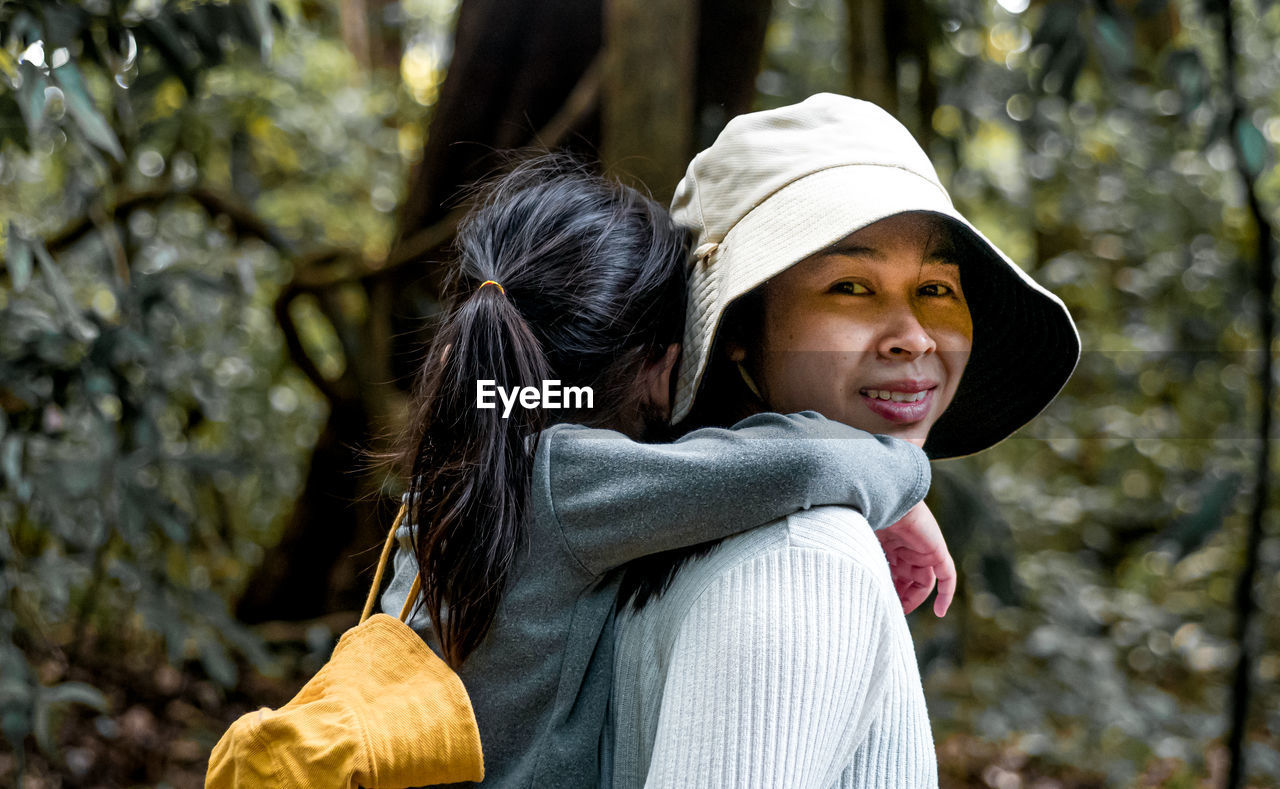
(657, 385)
(737, 351)
(445, 353)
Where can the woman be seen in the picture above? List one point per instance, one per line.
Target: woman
(526, 515)
(831, 273)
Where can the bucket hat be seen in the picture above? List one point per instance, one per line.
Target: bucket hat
(384, 713)
(780, 185)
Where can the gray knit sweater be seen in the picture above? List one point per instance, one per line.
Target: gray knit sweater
(540, 681)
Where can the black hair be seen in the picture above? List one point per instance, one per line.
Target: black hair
(721, 401)
(592, 277)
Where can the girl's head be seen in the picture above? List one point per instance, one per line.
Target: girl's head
(591, 295)
(831, 272)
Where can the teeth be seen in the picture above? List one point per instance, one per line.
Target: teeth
(897, 397)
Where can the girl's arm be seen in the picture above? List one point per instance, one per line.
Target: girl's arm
(616, 499)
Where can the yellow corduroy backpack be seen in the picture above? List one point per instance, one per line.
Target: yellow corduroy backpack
(384, 713)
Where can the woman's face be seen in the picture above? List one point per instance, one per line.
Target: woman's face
(873, 332)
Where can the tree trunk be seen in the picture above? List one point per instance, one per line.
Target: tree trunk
(374, 43)
(883, 38)
(730, 48)
(873, 67)
(295, 579)
(513, 66)
(1248, 629)
(648, 124)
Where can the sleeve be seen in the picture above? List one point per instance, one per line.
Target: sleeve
(776, 675)
(616, 500)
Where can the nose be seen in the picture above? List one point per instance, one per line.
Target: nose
(904, 336)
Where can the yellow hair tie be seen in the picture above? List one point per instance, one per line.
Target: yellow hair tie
(495, 284)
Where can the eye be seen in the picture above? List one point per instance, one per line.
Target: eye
(851, 288)
(937, 289)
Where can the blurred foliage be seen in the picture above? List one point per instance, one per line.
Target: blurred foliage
(165, 167)
(162, 167)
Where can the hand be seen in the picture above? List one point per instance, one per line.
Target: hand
(918, 558)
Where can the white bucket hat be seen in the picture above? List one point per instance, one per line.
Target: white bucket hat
(780, 185)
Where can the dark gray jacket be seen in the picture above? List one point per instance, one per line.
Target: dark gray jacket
(540, 680)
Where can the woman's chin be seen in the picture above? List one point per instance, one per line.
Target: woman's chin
(916, 437)
(914, 432)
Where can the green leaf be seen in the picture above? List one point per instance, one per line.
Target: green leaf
(1187, 72)
(171, 521)
(74, 693)
(1056, 25)
(213, 609)
(1252, 147)
(216, 661)
(11, 459)
(19, 258)
(63, 24)
(87, 117)
(173, 50)
(82, 329)
(24, 27)
(1114, 43)
(77, 478)
(12, 123)
(1064, 67)
(204, 24)
(1187, 534)
(260, 12)
(48, 702)
(31, 96)
(15, 722)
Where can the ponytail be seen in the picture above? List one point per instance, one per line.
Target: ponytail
(562, 275)
(469, 483)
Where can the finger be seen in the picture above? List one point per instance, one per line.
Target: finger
(902, 585)
(946, 588)
(912, 596)
(922, 558)
(946, 593)
(921, 586)
(908, 573)
(890, 543)
(923, 576)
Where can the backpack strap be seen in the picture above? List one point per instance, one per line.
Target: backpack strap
(414, 589)
(382, 566)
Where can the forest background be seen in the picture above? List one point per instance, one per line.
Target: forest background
(224, 229)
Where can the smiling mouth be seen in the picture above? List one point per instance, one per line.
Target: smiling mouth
(892, 396)
(899, 406)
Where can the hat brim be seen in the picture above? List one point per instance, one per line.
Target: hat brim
(1025, 343)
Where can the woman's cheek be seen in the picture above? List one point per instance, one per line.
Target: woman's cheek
(788, 379)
